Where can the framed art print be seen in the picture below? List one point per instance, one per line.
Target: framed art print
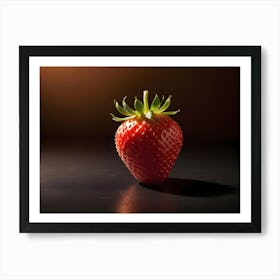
(140, 138)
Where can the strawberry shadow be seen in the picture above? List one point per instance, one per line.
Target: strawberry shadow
(189, 187)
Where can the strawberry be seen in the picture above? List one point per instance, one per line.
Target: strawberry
(148, 141)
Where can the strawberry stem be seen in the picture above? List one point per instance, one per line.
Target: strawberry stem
(146, 101)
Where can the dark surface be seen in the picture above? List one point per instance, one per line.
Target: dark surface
(80, 179)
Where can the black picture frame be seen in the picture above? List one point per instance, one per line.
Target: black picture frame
(254, 52)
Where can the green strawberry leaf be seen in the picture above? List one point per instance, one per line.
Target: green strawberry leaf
(117, 119)
(170, 113)
(139, 106)
(122, 110)
(127, 108)
(155, 103)
(142, 109)
(165, 105)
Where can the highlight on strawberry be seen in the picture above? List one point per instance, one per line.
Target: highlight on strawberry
(148, 141)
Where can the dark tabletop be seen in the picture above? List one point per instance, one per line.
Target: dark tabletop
(92, 179)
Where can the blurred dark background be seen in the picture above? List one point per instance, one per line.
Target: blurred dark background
(76, 101)
(80, 169)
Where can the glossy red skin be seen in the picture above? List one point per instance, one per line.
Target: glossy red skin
(149, 148)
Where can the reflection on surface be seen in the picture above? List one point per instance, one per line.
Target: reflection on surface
(136, 199)
(132, 199)
(128, 200)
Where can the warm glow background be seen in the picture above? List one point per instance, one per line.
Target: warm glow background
(76, 101)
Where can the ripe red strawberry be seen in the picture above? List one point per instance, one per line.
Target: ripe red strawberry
(148, 141)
